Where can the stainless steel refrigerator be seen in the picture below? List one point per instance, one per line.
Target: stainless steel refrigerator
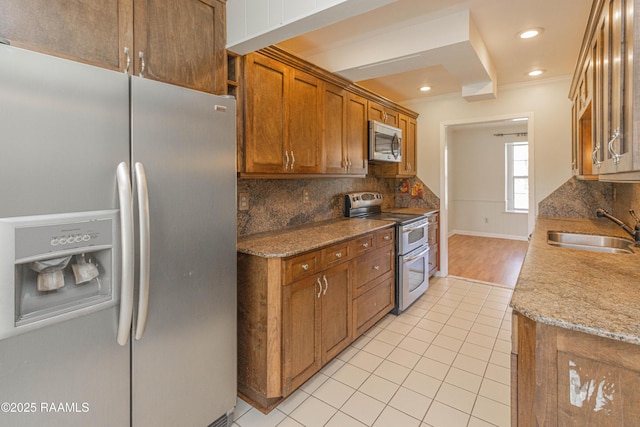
(117, 248)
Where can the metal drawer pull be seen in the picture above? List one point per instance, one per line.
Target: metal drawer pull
(319, 287)
(339, 255)
(286, 166)
(293, 159)
(326, 284)
(376, 267)
(365, 245)
(305, 267)
(387, 237)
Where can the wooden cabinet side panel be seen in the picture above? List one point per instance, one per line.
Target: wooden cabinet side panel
(526, 380)
(253, 333)
(89, 31)
(546, 397)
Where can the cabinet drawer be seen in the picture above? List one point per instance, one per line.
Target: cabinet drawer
(336, 253)
(365, 243)
(372, 266)
(385, 237)
(371, 306)
(302, 266)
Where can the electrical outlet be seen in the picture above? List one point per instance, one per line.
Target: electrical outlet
(305, 196)
(486, 220)
(243, 201)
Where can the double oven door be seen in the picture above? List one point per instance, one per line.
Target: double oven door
(413, 263)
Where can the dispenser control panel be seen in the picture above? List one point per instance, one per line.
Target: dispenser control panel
(37, 240)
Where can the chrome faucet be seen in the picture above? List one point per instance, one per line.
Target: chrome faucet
(633, 232)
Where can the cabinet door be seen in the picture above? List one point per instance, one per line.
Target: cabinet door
(183, 42)
(410, 155)
(383, 114)
(357, 134)
(265, 86)
(301, 357)
(90, 31)
(334, 116)
(336, 311)
(303, 132)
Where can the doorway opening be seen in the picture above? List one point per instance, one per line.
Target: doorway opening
(477, 181)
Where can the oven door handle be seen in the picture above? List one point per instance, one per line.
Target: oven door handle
(416, 256)
(409, 230)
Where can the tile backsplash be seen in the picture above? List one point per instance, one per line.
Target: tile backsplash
(279, 203)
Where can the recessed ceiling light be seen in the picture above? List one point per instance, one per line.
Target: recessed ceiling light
(425, 88)
(535, 73)
(530, 33)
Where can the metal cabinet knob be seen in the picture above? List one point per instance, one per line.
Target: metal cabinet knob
(305, 267)
(365, 245)
(376, 267)
(339, 255)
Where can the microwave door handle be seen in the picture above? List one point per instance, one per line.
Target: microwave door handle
(416, 256)
(394, 145)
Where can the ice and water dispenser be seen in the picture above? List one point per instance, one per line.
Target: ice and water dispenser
(56, 267)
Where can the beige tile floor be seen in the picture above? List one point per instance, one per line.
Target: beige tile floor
(443, 362)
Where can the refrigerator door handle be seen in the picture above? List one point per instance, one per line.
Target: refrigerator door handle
(145, 247)
(126, 236)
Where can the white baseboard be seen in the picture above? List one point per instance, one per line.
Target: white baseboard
(494, 235)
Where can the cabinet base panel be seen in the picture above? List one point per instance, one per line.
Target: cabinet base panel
(265, 405)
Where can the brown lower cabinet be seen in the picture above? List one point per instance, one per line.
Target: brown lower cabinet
(295, 314)
(561, 377)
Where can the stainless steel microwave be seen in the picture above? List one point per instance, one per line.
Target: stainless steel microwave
(385, 142)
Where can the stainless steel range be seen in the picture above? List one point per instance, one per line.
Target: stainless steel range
(412, 246)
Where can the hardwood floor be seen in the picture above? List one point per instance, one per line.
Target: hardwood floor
(486, 258)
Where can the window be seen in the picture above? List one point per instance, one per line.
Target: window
(517, 176)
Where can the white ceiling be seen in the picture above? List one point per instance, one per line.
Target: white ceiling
(395, 49)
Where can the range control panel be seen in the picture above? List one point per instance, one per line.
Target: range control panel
(36, 240)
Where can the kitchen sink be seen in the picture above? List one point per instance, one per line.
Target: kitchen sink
(590, 242)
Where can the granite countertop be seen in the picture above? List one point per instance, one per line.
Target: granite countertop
(295, 240)
(593, 292)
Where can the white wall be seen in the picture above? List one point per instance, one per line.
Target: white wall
(477, 182)
(547, 101)
(254, 24)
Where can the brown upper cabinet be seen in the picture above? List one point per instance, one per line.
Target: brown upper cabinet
(299, 119)
(344, 116)
(282, 127)
(603, 94)
(175, 41)
(383, 114)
